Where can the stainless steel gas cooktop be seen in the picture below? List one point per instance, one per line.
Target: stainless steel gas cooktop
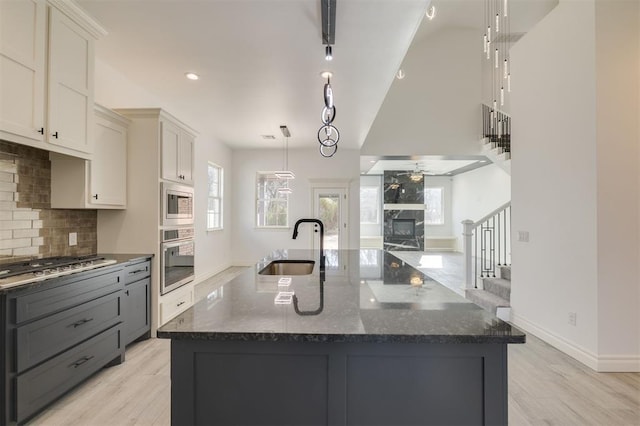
(19, 273)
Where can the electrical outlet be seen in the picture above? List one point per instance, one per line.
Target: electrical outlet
(523, 236)
(572, 318)
(73, 238)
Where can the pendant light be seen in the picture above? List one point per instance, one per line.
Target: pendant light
(285, 173)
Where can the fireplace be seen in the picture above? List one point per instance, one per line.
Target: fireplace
(403, 228)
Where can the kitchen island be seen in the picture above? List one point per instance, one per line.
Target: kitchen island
(368, 341)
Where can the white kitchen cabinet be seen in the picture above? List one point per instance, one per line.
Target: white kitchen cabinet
(22, 70)
(177, 153)
(46, 75)
(100, 183)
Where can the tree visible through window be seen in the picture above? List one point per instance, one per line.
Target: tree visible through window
(214, 197)
(272, 207)
(370, 205)
(433, 206)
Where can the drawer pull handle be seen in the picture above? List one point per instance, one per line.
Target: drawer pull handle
(181, 303)
(137, 271)
(81, 361)
(41, 130)
(81, 322)
(55, 135)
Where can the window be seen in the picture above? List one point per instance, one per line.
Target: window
(433, 206)
(214, 197)
(272, 206)
(370, 205)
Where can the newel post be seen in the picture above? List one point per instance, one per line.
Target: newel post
(467, 233)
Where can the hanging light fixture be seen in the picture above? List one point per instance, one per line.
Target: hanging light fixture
(495, 44)
(328, 53)
(285, 174)
(328, 134)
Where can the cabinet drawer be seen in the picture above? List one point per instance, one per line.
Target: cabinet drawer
(175, 303)
(48, 336)
(137, 271)
(38, 387)
(75, 289)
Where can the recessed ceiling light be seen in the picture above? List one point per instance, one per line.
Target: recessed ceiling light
(326, 74)
(372, 161)
(268, 137)
(192, 76)
(483, 161)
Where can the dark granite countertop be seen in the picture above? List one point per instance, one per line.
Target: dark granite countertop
(126, 257)
(363, 296)
(119, 258)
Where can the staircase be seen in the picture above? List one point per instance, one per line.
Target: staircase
(495, 294)
(496, 137)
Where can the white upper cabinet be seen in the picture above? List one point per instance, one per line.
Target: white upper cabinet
(70, 93)
(46, 75)
(100, 183)
(22, 69)
(108, 169)
(177, 153)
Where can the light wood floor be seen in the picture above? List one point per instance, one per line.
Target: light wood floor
(546, 387)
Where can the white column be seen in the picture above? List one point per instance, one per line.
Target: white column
(467, 233)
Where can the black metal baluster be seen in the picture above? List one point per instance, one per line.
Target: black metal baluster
(475, 247)
(498, 238)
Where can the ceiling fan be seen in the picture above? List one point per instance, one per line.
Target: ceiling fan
(416, 174)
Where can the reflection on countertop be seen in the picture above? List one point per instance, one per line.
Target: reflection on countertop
(367, 295)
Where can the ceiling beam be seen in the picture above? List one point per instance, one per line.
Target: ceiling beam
(328, 8)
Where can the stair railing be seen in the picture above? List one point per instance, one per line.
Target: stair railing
(487, 244)
(496, 126)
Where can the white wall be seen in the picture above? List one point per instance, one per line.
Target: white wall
(213, 249)
(476, 194)
(618, 192)
(435, 109)
(251, 244)
(567, 192)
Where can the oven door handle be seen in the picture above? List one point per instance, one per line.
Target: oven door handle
(179, 243)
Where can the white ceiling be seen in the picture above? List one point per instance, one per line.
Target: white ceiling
(260, 60)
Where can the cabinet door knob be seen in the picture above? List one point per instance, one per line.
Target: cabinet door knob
(95, 196)
(41, 131)
(55, 135)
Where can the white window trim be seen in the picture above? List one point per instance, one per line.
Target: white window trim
(221, 197)
(258, 200)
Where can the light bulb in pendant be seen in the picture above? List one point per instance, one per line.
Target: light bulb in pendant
(489, 33)
(502, 96)
(509, 82)
(484, 43)
(497, 58)
(506, 72)
(488, 49)
(497, 22)
(504, 7)
(495, 105)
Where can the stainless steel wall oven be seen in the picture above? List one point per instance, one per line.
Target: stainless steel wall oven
(177, 261)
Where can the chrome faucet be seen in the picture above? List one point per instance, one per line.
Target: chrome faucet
(318, 223)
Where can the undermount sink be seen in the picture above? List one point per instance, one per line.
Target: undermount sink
(288, 267)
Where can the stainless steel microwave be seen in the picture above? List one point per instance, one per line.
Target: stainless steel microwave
(177, 204)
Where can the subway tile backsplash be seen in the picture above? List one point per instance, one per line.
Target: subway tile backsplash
(28, 226)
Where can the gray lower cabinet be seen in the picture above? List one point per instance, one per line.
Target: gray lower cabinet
(136, 302)
(56, 334)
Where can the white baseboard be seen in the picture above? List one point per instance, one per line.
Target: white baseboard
(601, 364)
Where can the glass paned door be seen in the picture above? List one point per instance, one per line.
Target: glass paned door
(330, 206)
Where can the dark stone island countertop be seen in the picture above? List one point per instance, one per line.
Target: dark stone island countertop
(363, 296)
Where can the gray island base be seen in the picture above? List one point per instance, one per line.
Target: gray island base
(372, 341)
